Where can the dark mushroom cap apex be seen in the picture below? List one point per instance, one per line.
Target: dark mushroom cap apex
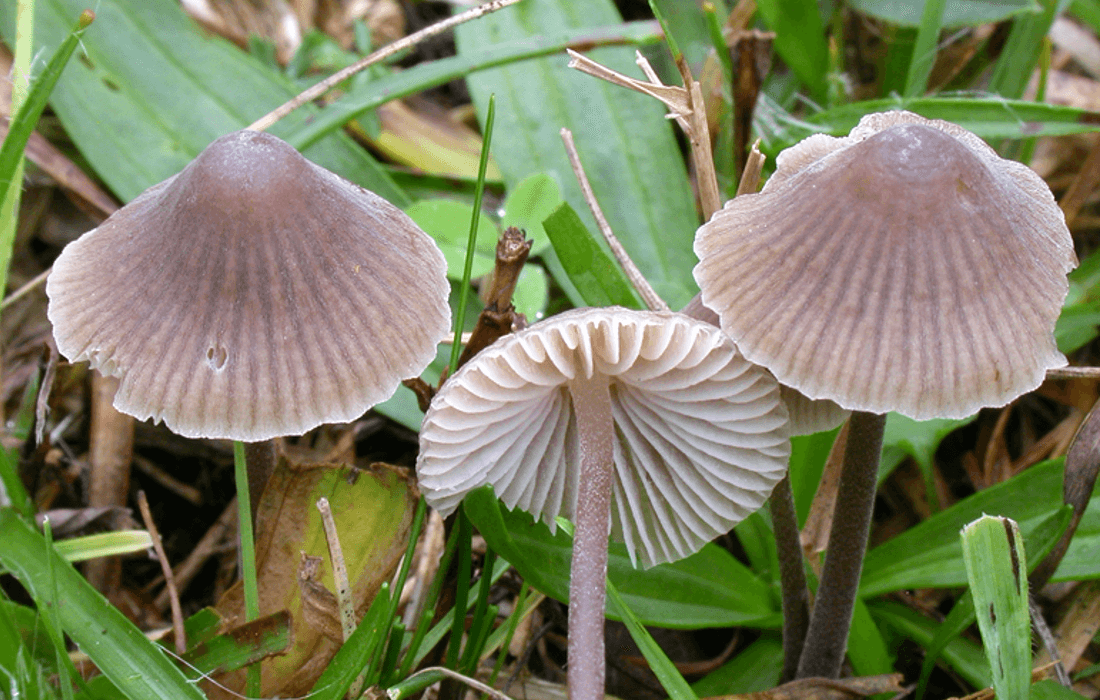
(252, 295)
(701, 433)
(905, 267)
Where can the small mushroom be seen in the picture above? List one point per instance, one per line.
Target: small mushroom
(648, 426)
(252, 295)
(905, 267)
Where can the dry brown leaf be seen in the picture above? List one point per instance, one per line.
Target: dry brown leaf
(1080, 623)
(320, 609)
(815, 533)
(373, 511)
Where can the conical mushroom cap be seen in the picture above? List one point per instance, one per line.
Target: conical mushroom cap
(905, 267)
(702, 435)
(252, 295)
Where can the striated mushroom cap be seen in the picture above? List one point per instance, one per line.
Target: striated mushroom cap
(252, 295)
(702, 434)
(905, 267)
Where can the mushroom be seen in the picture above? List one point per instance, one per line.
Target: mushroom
(252, 295)
(905, 267)
(674, 436)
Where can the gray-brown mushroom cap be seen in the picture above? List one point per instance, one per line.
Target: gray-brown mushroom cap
(252, 295)
(701, 434)
(905, 267)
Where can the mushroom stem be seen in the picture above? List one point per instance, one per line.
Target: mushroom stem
(827, 637)
(592, 526)
(792, 576)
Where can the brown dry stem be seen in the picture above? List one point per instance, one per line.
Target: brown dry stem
(170, 582)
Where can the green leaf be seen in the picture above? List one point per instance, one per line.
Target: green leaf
(991, 118)
(907, 13)
(448, 222)
(22, 124)
(624, 141)
(242, 645)
(528, 205)
(532, 292)
(800, 40)
(1052, 690)
(134, 664)
(153, 89)
(996, 566)
(1020, 54)
(590, 266)
(435, 73)
(961, 654)
(929, 555)
(708, 589)
(666, 672)
(867, 649)
(104, 544)
(757, 667)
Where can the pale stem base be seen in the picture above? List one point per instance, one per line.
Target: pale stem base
(592, 527)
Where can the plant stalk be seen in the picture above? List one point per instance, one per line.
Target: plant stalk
(792, 576)
(827, 636)
(592, 527)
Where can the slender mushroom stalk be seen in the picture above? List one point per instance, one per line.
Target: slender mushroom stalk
(881, 271)
(648, 426)
(591, 528)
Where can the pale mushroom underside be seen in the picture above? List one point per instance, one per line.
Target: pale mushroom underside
(702, 436)
(253, 295)
(904, 268)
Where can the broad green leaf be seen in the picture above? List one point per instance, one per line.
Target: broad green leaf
(153, 89)
(590, 266)
(624, 141)
(435, 73)
(958, 12)
(996, 567)
(757, 667)
(688, 25)
(532, 292)
(799, 39)
(929, 555)
(708, 589)
(448, 222)
(527, 206)
(133, 663)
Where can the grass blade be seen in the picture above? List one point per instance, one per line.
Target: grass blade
(924, 51)
(138, 667)
(997, 569)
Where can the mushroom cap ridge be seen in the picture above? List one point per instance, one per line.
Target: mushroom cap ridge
(905, 267)
(252, 295)
(702, 435)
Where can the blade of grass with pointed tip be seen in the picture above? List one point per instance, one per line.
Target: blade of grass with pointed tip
(357, 652)
(135, 665)
(242, 646)
(996, 567)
